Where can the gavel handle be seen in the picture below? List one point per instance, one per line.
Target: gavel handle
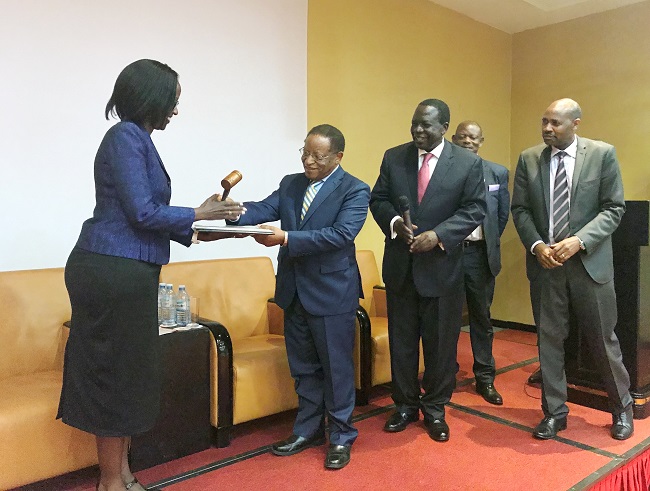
(225, 194)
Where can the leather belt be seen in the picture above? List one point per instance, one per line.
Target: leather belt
(473, 243)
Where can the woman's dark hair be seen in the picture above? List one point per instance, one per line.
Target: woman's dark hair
(334, 135)
(144, 92)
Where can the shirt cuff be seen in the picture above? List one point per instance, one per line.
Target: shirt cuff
(393, 234)
(532, 248)
(286, 239)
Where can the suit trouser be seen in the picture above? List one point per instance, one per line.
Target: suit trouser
(320, 360)
(437, 321)
(479, 291)
(556, 295)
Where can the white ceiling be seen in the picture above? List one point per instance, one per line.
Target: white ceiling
(514, 16)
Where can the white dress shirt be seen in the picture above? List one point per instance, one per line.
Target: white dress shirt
(569, 164)
(436, 152)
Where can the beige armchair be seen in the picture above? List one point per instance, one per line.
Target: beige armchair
(250, 373)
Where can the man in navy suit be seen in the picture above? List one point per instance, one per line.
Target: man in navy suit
(422, 268)
(482, 261)
(321, 211)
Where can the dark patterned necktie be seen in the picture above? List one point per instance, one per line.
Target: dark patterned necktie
(561, 201)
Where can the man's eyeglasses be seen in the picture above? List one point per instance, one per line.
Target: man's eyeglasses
(318, 158)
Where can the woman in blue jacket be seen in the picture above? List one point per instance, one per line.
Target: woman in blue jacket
(111, 385)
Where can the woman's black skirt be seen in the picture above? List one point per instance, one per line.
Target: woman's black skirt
(111, 373)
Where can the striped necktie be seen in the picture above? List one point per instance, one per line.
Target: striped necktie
(561, 201)
(310, 194)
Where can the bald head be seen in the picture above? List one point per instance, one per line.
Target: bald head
(567, 107)
(468, 135)
(560, 122)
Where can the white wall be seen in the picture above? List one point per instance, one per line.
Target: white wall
(242, 67)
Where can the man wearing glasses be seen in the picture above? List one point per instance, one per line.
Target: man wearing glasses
(318, 286)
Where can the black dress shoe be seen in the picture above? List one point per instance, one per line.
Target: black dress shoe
(623, 425)
(400, 420)
(338, 456)
(549, 427)
(489, 393)
(295, 444)
(535, 377)
(437, 428)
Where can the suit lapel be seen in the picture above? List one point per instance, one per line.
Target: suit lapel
(325, 190)
(299, 195)
(581, 153)
(488, 178)
(442, 167)
(411, 172)
(155, 151)
(545, 174)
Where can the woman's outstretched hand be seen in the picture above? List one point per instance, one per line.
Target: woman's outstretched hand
(215, 209)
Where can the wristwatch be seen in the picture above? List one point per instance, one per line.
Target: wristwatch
(582, 244)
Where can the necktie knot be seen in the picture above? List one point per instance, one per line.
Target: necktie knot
(427, 157)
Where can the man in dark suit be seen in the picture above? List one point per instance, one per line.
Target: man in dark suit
(321, 211)
(422, 268)
(567, 202)
(482, 261)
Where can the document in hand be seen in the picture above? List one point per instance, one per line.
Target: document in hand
(232, 229)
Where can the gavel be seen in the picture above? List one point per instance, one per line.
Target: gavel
(228, 182)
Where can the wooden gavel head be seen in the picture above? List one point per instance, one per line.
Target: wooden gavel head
(230, 180)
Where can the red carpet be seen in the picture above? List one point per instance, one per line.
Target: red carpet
(491, 447)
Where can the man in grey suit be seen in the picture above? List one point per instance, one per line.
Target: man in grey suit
(482, 262)
(422, 266)
(567, 202)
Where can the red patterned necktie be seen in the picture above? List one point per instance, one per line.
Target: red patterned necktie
(424, 176)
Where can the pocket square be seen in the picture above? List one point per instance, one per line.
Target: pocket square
(493, 187)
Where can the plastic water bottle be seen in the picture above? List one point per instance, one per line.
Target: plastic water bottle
(169, 306)
(161, 294)
(182, 306)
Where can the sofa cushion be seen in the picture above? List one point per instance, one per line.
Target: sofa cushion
(34, 306)
(33, 444)
(262, 381)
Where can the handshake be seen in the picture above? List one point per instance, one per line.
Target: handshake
(220, 207)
